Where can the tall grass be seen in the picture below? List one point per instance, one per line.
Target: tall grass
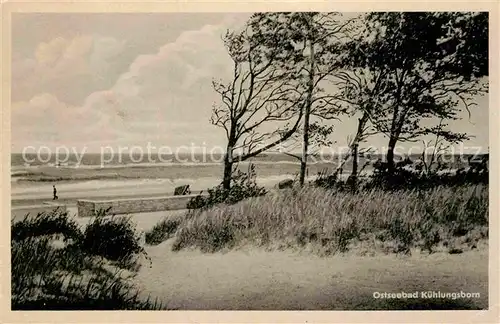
(331, 222)
(162, 231)
(57, 265)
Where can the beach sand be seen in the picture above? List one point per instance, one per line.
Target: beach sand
(24, 194)
(255, 279)
(69, 193)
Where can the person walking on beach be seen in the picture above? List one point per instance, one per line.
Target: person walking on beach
(55, 193)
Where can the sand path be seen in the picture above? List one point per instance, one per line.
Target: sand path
(260, 280)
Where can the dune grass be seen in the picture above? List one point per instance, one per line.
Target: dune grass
(329, 222)
(59, 266)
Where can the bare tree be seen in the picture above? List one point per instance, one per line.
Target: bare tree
(258, 105)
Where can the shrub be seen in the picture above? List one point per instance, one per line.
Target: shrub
(408, 177)
(333, 182)
(243, 186)
(44, 277)
(113, 238)
(405, 175)
(67, 277)
(115, 297)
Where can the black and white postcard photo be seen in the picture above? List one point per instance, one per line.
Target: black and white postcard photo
(305, 158)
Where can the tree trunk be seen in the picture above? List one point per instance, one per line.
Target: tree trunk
(355, 149)
(355, 146)
(228, 159)
(305, 144)
(354, 172)
(303, 163)
(390, 155)
(397, 123)
(228, 170)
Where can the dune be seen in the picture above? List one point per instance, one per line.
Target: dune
(250, 278)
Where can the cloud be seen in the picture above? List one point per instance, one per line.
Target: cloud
(45, 120)
(65, 67)
(162, 91)
(59, 51)
(164, 98)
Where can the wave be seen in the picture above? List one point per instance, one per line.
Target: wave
(156, 164)
(168, 164)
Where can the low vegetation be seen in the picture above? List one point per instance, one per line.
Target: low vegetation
(114, 239)
(327, 222)
(243, 186)
(406, 175)
(57, 265)
(162, 231)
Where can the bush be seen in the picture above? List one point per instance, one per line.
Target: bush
(211, 235)
(332, 182)
(115, 298)
(60, 279)
(71, 276)
(407, 177)
(243, 186)
(113, 238)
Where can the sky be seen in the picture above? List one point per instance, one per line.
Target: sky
(93, 80)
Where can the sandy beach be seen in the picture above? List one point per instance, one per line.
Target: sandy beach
(33, 184)
(261, 280)
(35, 187)
(256, 279)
